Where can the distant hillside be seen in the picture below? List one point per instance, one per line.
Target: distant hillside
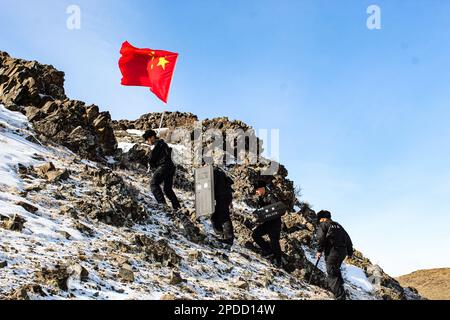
(432, 284)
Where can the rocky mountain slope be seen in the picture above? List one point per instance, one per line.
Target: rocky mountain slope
(77, 219)
(432, 284)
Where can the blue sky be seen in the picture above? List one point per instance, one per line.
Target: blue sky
(363, 113)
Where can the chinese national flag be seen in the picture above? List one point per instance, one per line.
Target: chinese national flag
(148, 68)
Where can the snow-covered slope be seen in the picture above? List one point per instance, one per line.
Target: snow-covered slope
(77, 219)
(56, 247)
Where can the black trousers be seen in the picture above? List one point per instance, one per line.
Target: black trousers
(164, 174)
(335, 280)
(221, 220)
(273, 230)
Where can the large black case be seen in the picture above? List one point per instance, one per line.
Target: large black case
(270, 212)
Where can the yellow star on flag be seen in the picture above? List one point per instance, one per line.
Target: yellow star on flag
(162, 63)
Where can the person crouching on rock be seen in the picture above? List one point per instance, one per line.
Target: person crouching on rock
(161, 161)
(271, 228)
(335, 242)
(221, 219)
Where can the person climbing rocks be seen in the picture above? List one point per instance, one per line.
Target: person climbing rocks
(164, 169)
(221, 218)
(272, 228)
(335, 243)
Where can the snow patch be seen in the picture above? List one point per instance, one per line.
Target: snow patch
(126, 146)
(133, 132)
(355, 278)
(14, 148)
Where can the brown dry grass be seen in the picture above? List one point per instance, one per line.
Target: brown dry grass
(432, 284)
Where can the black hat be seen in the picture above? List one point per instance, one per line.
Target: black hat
(323, 215)
(148, 134)
(260, 184)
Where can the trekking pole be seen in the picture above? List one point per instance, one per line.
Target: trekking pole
(312, 272)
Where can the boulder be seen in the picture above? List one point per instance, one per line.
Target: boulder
(26, 292)
(21, 169)
(58, 175)
(16, 223)
(69, 211)
(126, 273)
(27, 206)
(158, 251)
(79, 272)
(195, 255)
(241, 284)
(56, 277)
(45, 168)
(84, 229)
(175, 278)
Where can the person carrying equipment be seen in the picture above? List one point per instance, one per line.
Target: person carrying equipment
(221, 218)
(335, 242)
(272, 228)
(161, 161)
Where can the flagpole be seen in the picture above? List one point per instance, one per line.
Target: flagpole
(161, 123)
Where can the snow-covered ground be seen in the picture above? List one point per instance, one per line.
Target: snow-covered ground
(14, 148)
(356, 281)
(50, 238)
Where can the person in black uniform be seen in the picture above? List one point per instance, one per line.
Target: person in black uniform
(221, 219)
(335, 242)
(161, 161)
(271, 228)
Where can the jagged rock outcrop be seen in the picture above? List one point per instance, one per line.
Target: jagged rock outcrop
(115, 202)
(28, 83)
(171, 120)
(38, 91)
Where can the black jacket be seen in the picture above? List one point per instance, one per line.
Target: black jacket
(330, 235)
(222, 185)
(161, 155)
(266, 200)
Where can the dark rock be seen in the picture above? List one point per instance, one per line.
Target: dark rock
(65, 234)
(138, 155)
(27, 206)
(45, 168)
(66, 210)
(195, 255)
(28, 82)
(79, 272)
(241, 284)
(21, 169)
(15, 223)
(24, 292)
(84, 229)
(56, 277)
(175, 278)
(3, 264)
(126, 273)
(116, 203)
(58, 175)
(40, 89)
(158, 251)
(191, 231)
(34, 114)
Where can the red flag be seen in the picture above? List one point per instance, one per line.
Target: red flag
(148, 68)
